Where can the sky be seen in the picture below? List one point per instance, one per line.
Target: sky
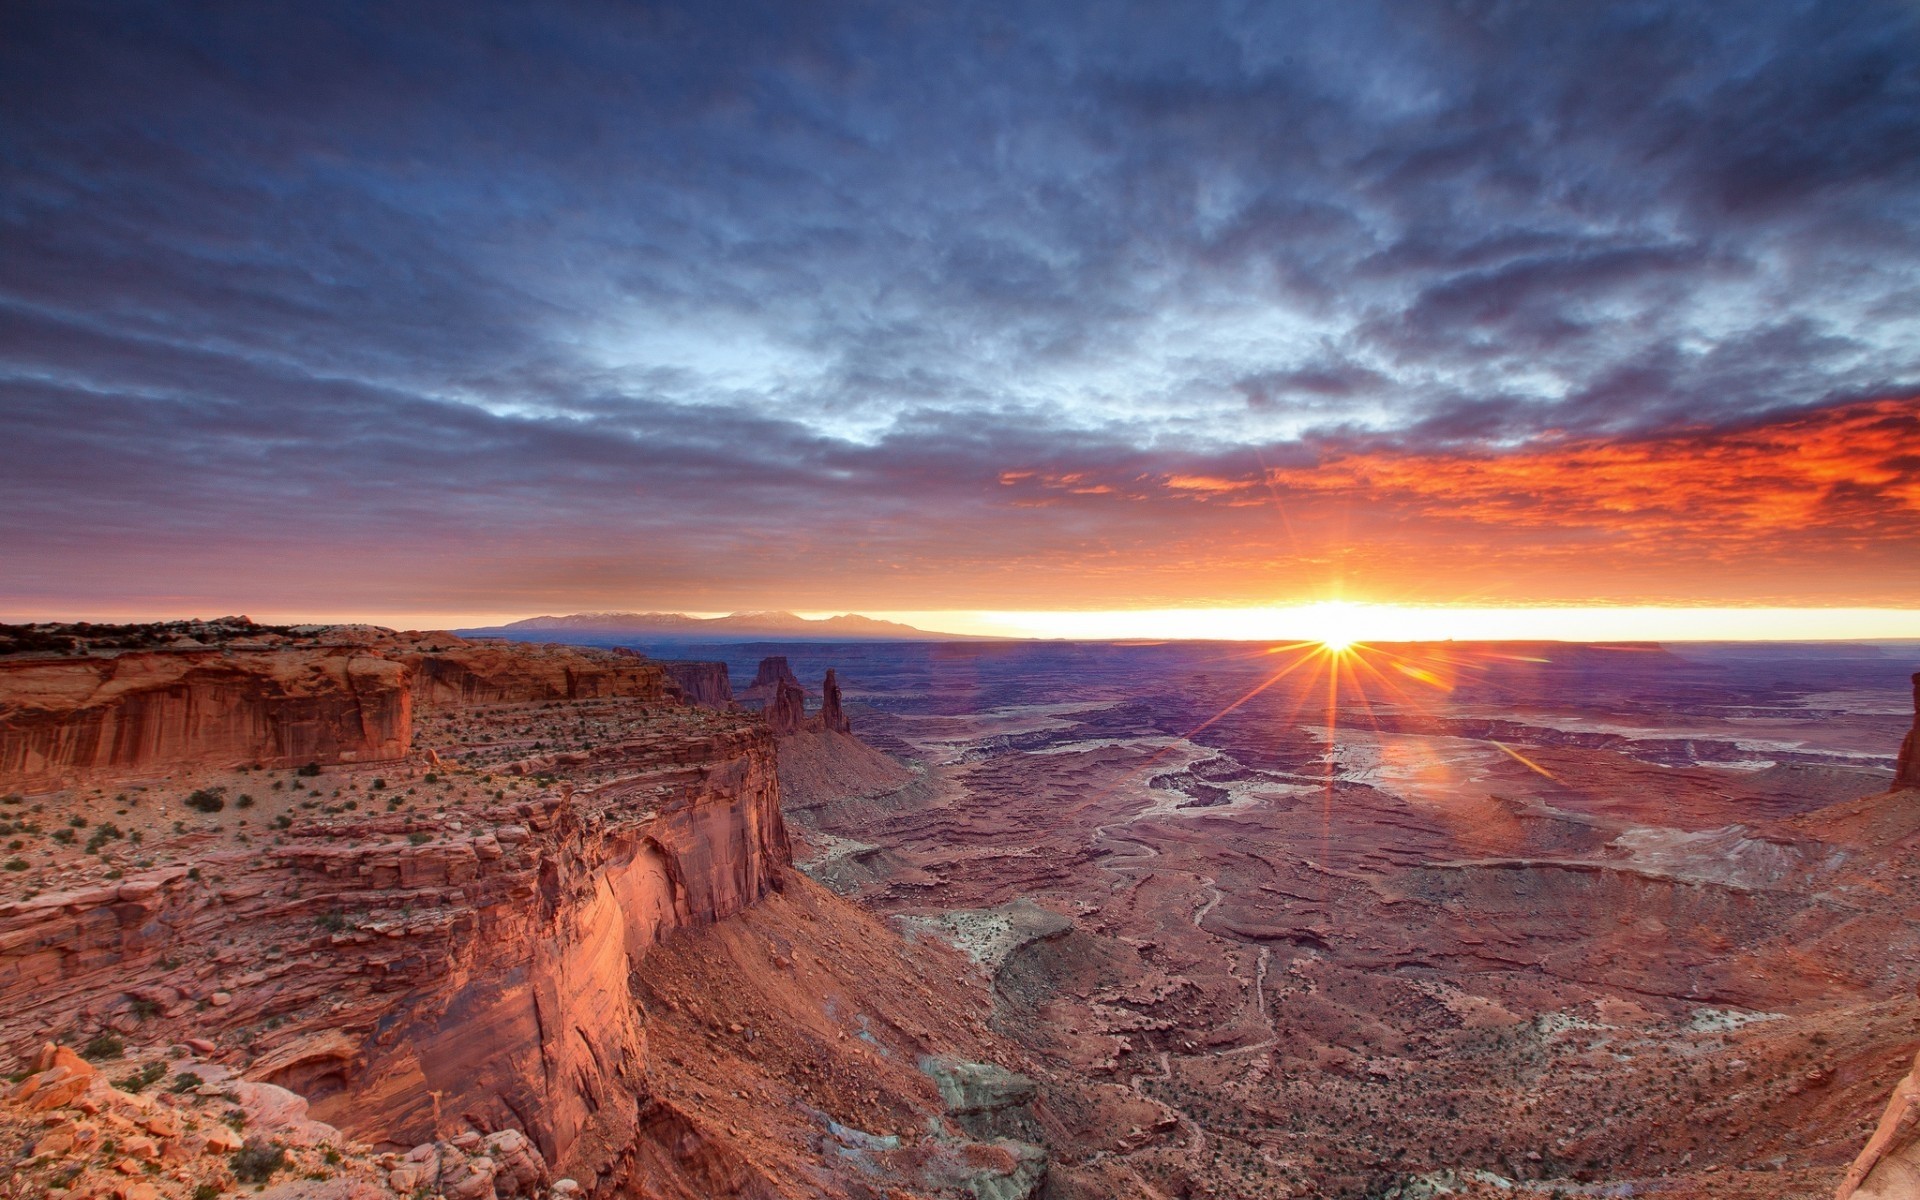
(445, 314)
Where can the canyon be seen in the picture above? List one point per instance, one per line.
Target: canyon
(430, 915)
(1519, 920)
(509, 891)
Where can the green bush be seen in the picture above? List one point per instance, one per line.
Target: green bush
(309, 771)
(208, 800)
(256, 1163)
(142, 1079)
(16, 864)
(185, 1081)
(104, 1046)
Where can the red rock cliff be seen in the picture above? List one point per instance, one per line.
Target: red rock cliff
(473, 969)
(705, 683)
(147, 709)
(277, 705)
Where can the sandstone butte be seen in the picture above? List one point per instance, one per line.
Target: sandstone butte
(580, 963)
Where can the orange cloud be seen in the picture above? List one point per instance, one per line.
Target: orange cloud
(1850, 472)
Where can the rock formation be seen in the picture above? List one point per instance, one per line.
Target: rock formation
(450, 673)
(787, 710)
(1906, 772)
(774, 670)
(266, 702)
(143, 710)
(555, 949)
(832, 717)
(705, 683)
(398, 947)
(1889, 1167)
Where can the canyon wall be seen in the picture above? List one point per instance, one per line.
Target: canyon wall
(705, 683)
(414, 975)
(142, 710)
(276, 705)
(452, 673)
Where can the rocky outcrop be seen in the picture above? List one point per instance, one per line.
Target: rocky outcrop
(990, 1103)
(832, 716)
(199, 1134)
(773, 672)
(703, 683)
(1889, 1167)
(787, 710)
(427, 972)
(1906, 772)
(351, 700)
(474, 673)
(143, 710)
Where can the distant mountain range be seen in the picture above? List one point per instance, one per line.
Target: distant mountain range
(735, 627)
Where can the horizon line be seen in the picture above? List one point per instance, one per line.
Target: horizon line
(1327, 620)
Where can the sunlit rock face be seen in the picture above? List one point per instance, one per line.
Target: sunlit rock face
(140, 711)
(482, 968)
(349, 698)
(475, 961)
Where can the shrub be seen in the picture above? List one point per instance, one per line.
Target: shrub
(207, 1191)
(418, 839)
(16, 864)
(185, 1081)
(309, 771)
(379, 785)
(333, 921)
(142, 1079)
(243, 801)
(208, 800)
(256, 1163)
(104, 1046)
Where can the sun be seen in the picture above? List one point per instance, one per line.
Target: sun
(1335, 624)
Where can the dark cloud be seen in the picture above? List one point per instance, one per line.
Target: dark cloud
(608, 284)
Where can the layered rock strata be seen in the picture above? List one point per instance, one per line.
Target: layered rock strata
(418, 974)
(263, 703)
(149, 709)
(704, 683)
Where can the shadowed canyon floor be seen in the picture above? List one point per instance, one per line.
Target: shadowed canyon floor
(1523, 920)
